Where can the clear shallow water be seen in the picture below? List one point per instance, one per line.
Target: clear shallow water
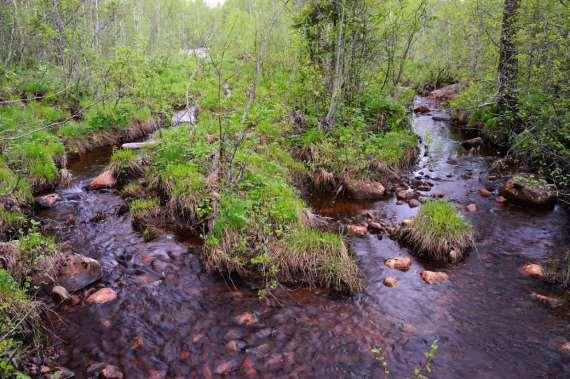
(172, 319)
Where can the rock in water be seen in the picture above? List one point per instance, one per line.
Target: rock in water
(102, 296)
(47, 201)
(433, 277)
(357, 230)
(413, 203)
(533, 270)
(485, 192)
(364, 189)
(398, 263)
(78, 272)
(527, 190)
(390, 282)
(104, 371)
(552, 302)
(103, 180)
(471, 207)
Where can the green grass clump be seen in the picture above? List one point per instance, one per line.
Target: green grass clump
(439, 232)
(320, 258)
(187, 190)
(358, 152)
(125, 163)
(142, 207)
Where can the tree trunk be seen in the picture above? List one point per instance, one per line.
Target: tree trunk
(508, 66)
(328, 122)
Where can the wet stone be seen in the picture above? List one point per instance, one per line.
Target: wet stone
(390, 281)
(246, 318)
(102, 296)
(227, 367)
(434, 277)
(235, 346)
(398, 263)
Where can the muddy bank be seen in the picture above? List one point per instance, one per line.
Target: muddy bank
(172, 319)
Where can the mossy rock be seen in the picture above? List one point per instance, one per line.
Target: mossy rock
(529, 190)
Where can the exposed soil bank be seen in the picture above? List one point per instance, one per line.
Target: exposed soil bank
(171, 319)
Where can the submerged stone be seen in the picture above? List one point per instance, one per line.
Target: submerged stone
(533, 270)
(390, 281)
(102, 296)
(433, 277)
(47, 201)
(398, 263)
(103, 180)
(78, 272)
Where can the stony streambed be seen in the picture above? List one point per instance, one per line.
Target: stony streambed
(171, 319)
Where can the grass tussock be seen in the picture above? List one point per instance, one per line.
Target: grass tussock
(146, 213)
(357, 152)
(126, 164)
(438, 232)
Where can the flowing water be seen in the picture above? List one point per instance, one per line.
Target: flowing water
(172, 319)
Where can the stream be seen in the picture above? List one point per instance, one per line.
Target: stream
(174, 320)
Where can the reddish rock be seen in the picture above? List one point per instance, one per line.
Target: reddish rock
(227, 367)
(390, 282)
(364, 189)
(471, 207)
(138, 341)
(102, 296)
(500, 199)
(78, 272)
(104, 180)
(485, 192)
(565, 348)
(533, 270)
(246, 318)
(413, 203)
(357, 230)
(235, 346)
(433, 277)
(111, 372)
(548, 300)
(421, 109)
(104, 371)
(184, 355)
(398, 263)
(47, 201)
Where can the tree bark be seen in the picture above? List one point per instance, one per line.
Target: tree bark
(338, 70)
(508, 65)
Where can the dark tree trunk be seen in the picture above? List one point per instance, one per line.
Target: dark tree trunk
(508, 66)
